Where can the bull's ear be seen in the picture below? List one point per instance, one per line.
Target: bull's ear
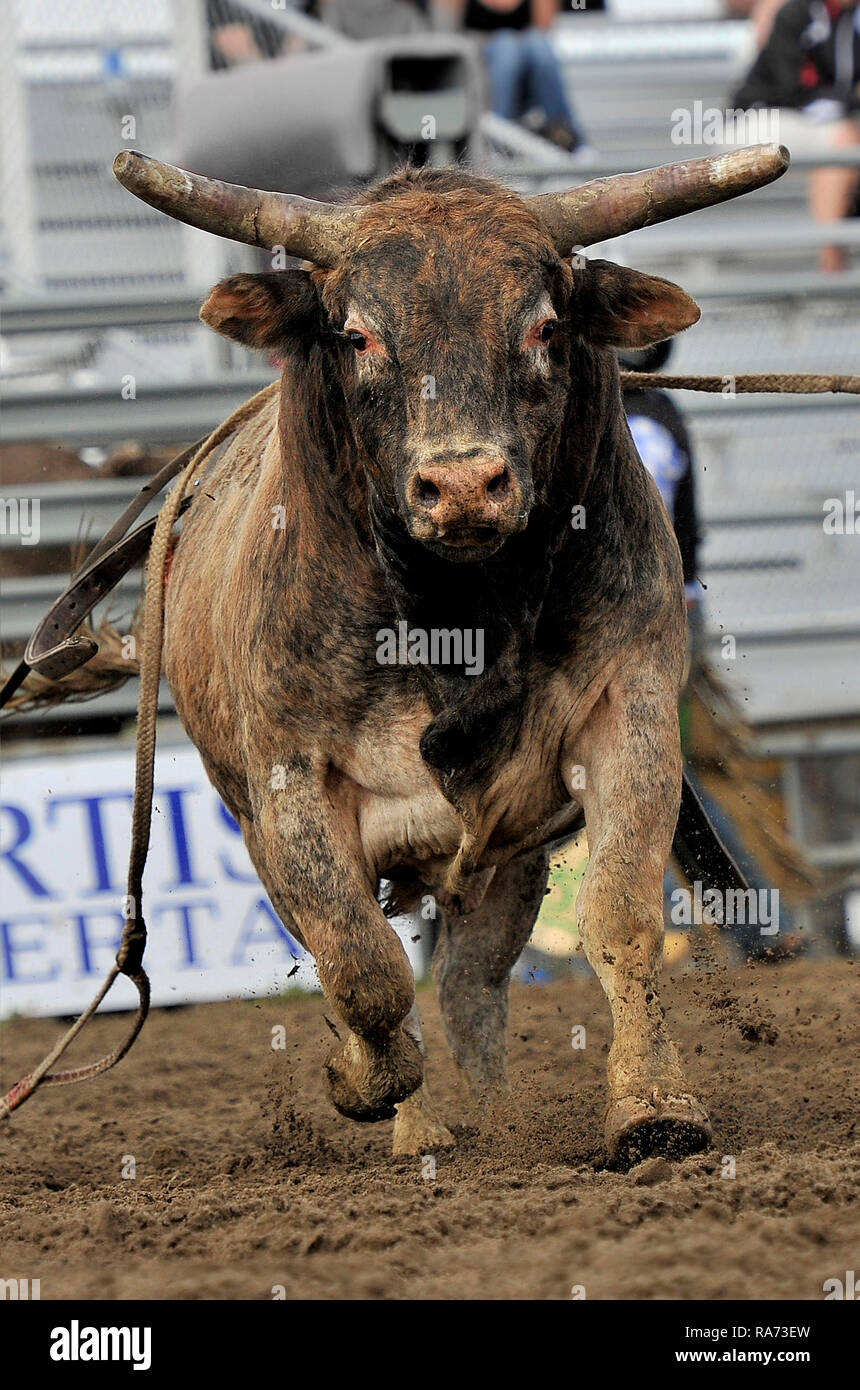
(263, 311)
(616, 307)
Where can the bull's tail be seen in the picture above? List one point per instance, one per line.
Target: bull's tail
(698, 848)
(111, 666)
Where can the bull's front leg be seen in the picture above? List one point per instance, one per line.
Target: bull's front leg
(475, 953)
(317, 877)
(630, 752)
(418, 1129)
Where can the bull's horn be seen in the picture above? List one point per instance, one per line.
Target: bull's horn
(317, 232)
(608, 207)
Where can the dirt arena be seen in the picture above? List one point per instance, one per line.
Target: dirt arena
(247, 1180)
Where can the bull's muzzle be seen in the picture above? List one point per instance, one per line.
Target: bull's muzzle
(465, 505)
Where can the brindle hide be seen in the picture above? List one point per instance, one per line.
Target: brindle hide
(319, 526)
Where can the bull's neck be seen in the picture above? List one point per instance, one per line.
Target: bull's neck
(518, 600)
(525, 600)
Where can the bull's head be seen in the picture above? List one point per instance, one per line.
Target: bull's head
(452, 306)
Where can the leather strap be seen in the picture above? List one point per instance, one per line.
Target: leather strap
(53, 650)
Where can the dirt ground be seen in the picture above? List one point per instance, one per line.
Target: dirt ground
(247, 1180)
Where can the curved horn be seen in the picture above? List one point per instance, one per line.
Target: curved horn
(608, 207)
(317, 232)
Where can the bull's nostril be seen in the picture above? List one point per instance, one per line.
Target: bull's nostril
(428, 493)
(499, 486)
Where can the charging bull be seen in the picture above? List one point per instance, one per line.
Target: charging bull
(447, 453)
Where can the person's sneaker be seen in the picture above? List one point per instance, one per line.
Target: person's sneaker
(563, 134)
(586, 156)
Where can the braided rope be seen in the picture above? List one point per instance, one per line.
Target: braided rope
(778, 383)
(129, 960)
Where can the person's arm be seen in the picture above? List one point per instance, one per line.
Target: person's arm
(448, 14)
(544, 13)
(764, 13)
(235, 43)
(787, 58)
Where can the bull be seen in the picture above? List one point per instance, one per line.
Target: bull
(446, 452)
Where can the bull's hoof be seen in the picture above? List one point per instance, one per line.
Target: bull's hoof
(365, 1082)
(671, 1126)
(348, 1102)
(418, 1129)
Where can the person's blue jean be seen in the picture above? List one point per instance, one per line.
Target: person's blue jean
(525, 73)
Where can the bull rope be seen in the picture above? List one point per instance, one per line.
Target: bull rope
(129, 959)
(776, 383)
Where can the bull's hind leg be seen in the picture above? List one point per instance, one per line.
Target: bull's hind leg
(630, 752)
(418, 1129)
(316, 876)
(472, 966)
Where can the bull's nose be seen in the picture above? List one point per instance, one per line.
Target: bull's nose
(482, 492)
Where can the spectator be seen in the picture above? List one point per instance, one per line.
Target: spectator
(663, 445)
(764, 13)
(232, 36)
(374, 19)
(238, 35)
(809, 72)
(524, 72)
(761, 12)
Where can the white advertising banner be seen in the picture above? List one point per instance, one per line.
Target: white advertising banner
(65, 825)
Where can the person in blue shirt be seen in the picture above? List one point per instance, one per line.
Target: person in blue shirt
(663, 444)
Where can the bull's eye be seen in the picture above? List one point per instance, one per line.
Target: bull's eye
(540, 333)
(362, 339)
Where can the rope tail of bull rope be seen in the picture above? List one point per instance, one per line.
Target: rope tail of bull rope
(129, 960)
(776, 383)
